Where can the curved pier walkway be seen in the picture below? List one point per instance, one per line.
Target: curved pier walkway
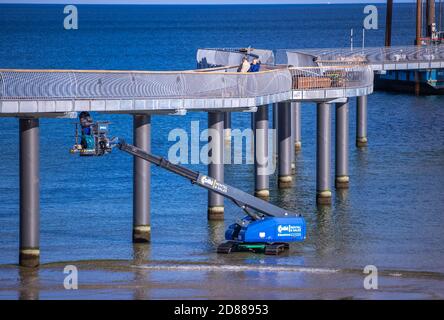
(384, 58)
(54, 92)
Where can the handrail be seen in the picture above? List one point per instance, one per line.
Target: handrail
(41, 84)
(379, 55)
(133, 71)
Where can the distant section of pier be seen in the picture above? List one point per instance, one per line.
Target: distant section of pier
(380, 58)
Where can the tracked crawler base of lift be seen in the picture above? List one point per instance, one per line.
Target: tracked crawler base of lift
(266, 248)
(266, 228)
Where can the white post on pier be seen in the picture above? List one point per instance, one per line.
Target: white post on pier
(363, 40)
(351, 39)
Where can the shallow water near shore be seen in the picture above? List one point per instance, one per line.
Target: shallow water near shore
(391, 217)
(142, 279)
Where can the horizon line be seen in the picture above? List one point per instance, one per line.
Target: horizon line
(161, 3)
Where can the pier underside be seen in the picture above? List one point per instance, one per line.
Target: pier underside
(407, 87)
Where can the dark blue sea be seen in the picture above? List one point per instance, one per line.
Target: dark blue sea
(391, 217)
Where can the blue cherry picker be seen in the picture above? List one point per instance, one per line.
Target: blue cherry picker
(265, 228)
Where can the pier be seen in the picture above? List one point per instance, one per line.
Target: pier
(329, 82)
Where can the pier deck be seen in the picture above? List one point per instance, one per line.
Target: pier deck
(59, 92)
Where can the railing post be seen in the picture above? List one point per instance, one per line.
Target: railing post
(323, 146)
(261, 153)
(29, 253)
(284, 145)
(216, 163)
(361, 121)
(141, 180)
(342, 130)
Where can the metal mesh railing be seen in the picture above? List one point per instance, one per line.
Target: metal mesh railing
(341, 63)
(67, 85)
(227, 56)
(336, 76)
(96, 85)
(379, 55)
(372, 55)
(213, 83)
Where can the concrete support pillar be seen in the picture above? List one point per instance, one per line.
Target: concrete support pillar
(284, 145)
(274, 109)
(261, 153)
(216, 163)
(227, 126)
(342, 123)
(275, 115)
(361, 121)
(141, 181)
(323, 191)
(297, 126)
(292, 140)
(253, 126)
(29, 254)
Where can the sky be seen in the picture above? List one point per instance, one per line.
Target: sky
(199, 1)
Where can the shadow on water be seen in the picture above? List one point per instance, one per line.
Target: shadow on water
(361, 158)
(324, 229)
(333, 235)
(29, 284)
(216, 234)
(141, 256)
(341, 200)
(141, 253)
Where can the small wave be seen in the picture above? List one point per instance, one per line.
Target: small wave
(234, 268)
(274, 268)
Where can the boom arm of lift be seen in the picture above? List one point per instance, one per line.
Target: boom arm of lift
(256, 208)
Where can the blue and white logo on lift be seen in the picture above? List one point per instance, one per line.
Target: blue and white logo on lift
(288, 230)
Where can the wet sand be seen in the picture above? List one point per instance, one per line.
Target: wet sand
(141, 279)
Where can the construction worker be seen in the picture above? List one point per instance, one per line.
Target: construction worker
(86, 122)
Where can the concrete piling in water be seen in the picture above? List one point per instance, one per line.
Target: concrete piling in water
(323, 147)
(274, 109)
(297, 126)
(216, 163)
(141, 181)
(227, 126)
(342, 145)
(388, 23)
(292, 141)
(284, 145)
(253, 126)
(29, 252)
(261, 153)
(361, 121)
